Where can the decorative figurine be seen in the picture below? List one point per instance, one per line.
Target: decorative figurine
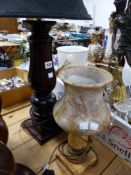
(95, 49)
(121, 19)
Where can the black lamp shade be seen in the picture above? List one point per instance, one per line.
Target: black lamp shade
(59, 9)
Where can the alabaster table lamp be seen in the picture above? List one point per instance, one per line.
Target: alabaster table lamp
(81, 112)
(42, 76)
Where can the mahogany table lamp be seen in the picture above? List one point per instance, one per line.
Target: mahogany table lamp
(42, 76)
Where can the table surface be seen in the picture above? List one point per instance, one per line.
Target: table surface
(72, 39)
(27, 151)
(8, 44)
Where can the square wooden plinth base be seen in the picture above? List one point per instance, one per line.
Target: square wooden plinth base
(41, 138)
(76, 169)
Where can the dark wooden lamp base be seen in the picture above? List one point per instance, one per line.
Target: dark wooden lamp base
(34, 131)
(42, 80)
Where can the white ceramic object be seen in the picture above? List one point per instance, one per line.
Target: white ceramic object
(59, 89)
(76, 55)
(82, 109)
(126, 74)
(123, 106)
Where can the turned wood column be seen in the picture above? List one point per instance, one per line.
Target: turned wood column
(42, 79)
(3, 127)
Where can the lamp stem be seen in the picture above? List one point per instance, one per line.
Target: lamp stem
(42, 80)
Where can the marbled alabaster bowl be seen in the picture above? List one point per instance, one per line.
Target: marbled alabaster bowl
(82, 109)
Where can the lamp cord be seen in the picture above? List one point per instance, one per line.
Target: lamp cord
(73, 155)
(50, 160)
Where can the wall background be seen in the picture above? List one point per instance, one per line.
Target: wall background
(100, 10)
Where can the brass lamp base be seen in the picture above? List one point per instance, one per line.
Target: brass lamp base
(40, 136)
(76, 169)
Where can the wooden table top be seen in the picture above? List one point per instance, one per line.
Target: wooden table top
(27, 151)
(72, 39)
(8, 44)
